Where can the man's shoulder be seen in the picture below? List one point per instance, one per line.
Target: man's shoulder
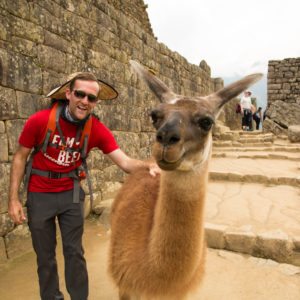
(41, 113)
(96, 122)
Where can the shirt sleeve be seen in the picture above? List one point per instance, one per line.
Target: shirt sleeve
(33, 130)
(102, 138)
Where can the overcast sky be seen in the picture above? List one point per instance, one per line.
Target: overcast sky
(235, 37)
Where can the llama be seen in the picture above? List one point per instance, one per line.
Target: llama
(157, 247)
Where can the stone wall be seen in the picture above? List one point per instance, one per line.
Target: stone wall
(41, 42)
(283, 95)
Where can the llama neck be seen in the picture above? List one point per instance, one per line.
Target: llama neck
(177, 232)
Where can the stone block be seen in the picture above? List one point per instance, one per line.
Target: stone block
(20, 72)
(57, 42)
(113, 173)
(271, 126)
(2, 127)
(214, 234)
(18, 8)
(129, 142)
(27, 30)
(8, 103)
(283, 114)
(18, 241)
(110, 189)
(87, 206)
(240, 241)
(294, 133)
(235, 176)
(4, 183)
(103, 205)
(274, 245)
(6, 224)
(218, 128)
(104, 218)
(14, 129)
(24, 46)
(52, 59)
(3, 255)
(4, 148)
(26, 104)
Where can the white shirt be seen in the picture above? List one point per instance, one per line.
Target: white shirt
(246, 102)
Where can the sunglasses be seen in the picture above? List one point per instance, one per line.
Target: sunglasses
(81, 95)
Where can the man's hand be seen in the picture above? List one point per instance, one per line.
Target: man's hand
(15, 209)
(154, 169)
(16, 212)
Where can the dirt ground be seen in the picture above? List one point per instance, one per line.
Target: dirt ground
(229, 276)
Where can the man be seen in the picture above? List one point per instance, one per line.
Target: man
(257, 117)
(53, 192)
(246, 111)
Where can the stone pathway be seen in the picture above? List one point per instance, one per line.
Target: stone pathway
(253, 203)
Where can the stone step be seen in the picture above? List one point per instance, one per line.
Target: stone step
(238, 144)
(253, 140)
(240, 148)
(235, 135)
(270, 180)
(255, 133)
(255, 219)
(257, 154)
(275, 171)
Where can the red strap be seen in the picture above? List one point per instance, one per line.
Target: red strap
(51, 123)
(86, 131)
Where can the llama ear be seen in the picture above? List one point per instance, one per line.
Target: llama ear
(162, 92)
(229, 92)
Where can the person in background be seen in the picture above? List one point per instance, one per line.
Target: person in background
(54, 190)
(257, 117)
(246, 111)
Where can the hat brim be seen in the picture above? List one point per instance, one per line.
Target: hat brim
(107, 92)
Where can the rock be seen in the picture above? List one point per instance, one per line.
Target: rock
(3, 256)
(18, 241)
(294, 133)
(275, 245)
(215, 235)
(240, 241)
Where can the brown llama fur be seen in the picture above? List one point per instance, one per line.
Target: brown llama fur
(157, 247)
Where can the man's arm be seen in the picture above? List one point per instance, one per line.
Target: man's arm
(128, 164)
(15, 209)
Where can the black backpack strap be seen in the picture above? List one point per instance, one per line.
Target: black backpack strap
(28, 169)
(89, 181)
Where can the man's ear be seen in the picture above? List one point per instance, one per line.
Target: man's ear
(68, 93)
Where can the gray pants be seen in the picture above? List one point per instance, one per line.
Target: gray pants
(43, 209)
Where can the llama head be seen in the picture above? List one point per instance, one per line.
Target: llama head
(184, 124)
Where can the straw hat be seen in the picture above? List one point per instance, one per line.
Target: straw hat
(107, 92)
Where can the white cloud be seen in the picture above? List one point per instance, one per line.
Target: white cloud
(234, 37)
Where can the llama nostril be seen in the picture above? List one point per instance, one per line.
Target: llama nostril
(159, 138)
(167, 138)
(174, 139)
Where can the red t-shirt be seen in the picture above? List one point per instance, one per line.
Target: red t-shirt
(55, 159)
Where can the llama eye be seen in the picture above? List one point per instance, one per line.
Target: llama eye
(155, 116)
(205, 123)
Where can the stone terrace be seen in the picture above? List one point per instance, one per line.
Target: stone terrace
(253, 203)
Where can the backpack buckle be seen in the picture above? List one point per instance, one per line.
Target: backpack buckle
(81, 174)
(63, 147)
(54, 175)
